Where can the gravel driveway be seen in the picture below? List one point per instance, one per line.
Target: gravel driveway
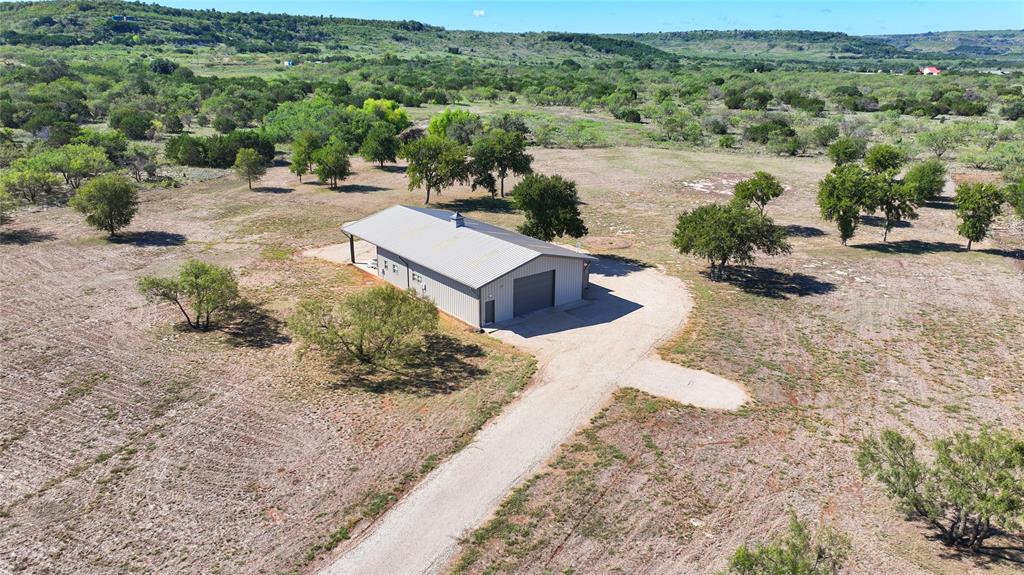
(584, 354)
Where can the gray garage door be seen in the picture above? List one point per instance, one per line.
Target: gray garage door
(532, 293)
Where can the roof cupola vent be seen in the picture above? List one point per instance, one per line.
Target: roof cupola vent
(458, 220)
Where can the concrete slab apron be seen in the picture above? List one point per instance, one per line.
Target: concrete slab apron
(584, 354)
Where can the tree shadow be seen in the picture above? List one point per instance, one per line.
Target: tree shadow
(940, 203)
(479, 204)
(249, 325)
(394, 169)
(1017, 254)
(358, 188)
(149, 239)
(877, 222)
(913, 247)
(440, 366)
(804, 231)
(1001, 549)
(771, 283)
(273, 190)
(25, 237)
(614, 265)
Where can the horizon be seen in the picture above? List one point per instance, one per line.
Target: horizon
(859, 17)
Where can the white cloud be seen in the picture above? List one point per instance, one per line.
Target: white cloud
(479, 13)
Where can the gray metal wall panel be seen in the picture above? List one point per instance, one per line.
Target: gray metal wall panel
(447, 294)
(568, 284)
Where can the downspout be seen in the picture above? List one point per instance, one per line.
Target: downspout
(351, 246)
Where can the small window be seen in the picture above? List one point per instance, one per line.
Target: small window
(394, 268)
(416, 277)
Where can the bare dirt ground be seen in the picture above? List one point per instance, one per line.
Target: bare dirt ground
(834, 343)
(128, 445)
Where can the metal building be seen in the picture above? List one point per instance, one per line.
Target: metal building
(479, 273)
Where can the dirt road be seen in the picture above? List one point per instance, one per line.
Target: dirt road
(584, 354)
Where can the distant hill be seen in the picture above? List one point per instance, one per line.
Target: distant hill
(1007, 43)
(115, 22)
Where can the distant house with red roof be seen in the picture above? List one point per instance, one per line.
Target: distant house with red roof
(930, 71)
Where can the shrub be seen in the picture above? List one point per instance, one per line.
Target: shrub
(726, 141)
(971, 488)
(764, 131)
(133, 123)
(925, 180)
(825, 135)
(798, 552)
(847, 149)
(379, 327)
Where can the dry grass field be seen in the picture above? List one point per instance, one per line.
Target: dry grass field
(834, 343)
(129, 445)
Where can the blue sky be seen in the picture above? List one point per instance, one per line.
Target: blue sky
(607, 16)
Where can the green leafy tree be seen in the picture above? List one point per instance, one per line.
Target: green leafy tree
(378, 327)
(972, 487)
(758, 190)
(798, 552)
(332, 163)
(202, 288)
(249, 165)
(847, 149)
(944, 138)
(459, 125)
(495, 155)
(884, 158)
(306, 143)
(925, 180)
(75, 162)
(108, 202)
(897, 202)
(551, 206)
(434, 163)
(977, 205)
(727, 233)
(380, 145)
(842, 195)
(29, 180)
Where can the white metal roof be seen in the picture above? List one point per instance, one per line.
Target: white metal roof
(474, 254)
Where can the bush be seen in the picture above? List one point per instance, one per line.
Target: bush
(131, 122)
(766, 130)
(379, 327)
(847, 149)
(925, 181)
(825, 135)
(971, 488)
(727, 141)
(798, 552)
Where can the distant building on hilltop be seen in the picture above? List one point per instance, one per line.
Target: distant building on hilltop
(930, 71)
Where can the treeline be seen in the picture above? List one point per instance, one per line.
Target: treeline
(606, 45)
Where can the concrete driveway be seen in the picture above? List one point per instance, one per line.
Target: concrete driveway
(584, 354)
